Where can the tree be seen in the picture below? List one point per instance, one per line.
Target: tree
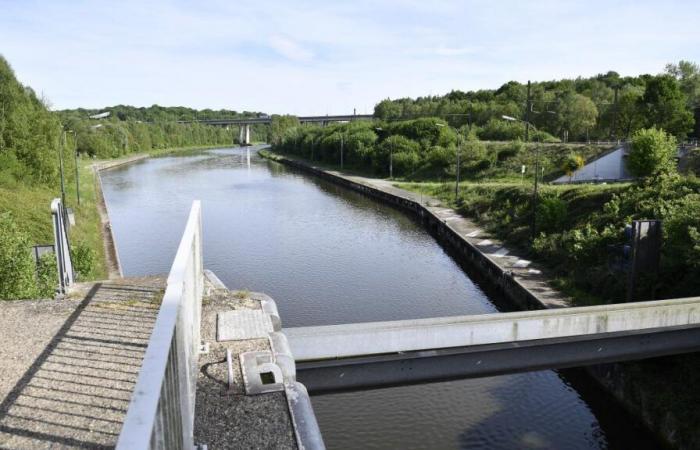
(629, 117)
(572, 163)
(688, 76)
(653, 153)
(665, 106)
(279, 125)
(577, 114)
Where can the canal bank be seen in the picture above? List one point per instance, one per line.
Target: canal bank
(523, 282)
(113, 266)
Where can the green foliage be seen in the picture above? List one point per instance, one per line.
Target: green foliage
(577, 224)
(665, 106)
(583, 107)
(28, 132)
(572, 163)
(653, 152)
(279, 126)
(17, 279)
(46, 275)
(576, 114)
(510, 151)
(83, 259)
(551, 213)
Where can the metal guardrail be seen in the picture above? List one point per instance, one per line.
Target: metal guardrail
(161, 412)
(66, 276)
(349, 357)
(377, 338)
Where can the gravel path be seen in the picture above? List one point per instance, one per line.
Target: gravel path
(69, 366)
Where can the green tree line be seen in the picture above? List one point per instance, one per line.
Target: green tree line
(426, 149)
(606, 106)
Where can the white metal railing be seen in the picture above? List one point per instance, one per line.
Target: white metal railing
(66, 276)
(161, 412)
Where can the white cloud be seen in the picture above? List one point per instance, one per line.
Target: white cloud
(290, 49)
(454, 51)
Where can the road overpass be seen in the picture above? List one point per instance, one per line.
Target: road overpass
(245, 123)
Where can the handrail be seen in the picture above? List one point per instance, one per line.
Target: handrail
(161, 412)
(64, 265)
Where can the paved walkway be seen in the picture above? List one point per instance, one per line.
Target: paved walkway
(69, 366)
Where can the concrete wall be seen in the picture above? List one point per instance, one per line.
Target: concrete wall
(609, 167)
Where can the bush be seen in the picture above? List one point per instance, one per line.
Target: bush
(480, 165)
(551, 213)
(572, 163)
(510, 151)
(653, 153)
(46, 275)
(439, 158)
(405, 163)
(16, 262)
(83, 258)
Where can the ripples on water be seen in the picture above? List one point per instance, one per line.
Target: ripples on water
(327, 255)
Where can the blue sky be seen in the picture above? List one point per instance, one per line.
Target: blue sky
(314, 57)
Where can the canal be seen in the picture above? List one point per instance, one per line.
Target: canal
(327, 256)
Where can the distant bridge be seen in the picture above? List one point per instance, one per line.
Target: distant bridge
(245, 123)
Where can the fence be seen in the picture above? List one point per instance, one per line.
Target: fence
(161, 412)
(62, 246)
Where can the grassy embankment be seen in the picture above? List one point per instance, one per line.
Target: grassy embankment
(30, 208)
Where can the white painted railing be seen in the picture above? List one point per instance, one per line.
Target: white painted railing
(66, 277)
(161, 412)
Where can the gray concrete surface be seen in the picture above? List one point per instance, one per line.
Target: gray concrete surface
(67, 367)
(228, 419)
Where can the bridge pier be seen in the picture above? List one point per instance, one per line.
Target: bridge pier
(244, 134)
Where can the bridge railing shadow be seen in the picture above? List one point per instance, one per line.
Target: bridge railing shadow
(77, 391)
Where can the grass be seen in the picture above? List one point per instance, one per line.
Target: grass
(29, 205)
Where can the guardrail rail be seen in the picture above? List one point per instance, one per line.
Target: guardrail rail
(66, 276)
(161, 412)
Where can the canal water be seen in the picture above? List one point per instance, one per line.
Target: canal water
(327, 256)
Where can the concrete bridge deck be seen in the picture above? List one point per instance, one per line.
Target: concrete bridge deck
(227, 418)
(68, 366)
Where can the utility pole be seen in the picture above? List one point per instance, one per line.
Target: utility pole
(391, 160)
(341, 151)
(528, 107)
(535, 197)
(613, 131)
(77, 172)
(60, 165)
(459, 150)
